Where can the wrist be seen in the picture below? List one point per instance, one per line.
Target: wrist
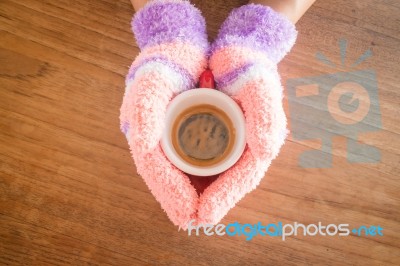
(163, 21)
(259, 28)
(292, 9)
(138, 4)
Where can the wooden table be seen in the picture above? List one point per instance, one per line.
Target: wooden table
(69, 191)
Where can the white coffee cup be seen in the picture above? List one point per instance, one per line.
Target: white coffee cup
(218, 99)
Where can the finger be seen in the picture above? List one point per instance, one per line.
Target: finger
(170, 186)
(231, 186)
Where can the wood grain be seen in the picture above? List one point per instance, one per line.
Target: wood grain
(69, 191)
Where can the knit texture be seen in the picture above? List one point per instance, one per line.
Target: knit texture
(168, 20)
(243, 58)
(259, 28)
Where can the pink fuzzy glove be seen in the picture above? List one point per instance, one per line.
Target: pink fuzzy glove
(174, 48)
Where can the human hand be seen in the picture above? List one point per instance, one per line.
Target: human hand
(174, 48)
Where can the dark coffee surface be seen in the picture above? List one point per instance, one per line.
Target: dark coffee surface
(203, 136)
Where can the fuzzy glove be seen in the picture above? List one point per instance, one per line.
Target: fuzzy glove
(172, 38)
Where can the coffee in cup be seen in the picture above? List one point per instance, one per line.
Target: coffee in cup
(203, 135)
(204, 132)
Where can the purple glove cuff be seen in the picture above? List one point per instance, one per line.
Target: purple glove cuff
(260, 28)
(163, 21)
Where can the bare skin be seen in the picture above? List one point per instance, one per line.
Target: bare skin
(293, 9)
(138, 4)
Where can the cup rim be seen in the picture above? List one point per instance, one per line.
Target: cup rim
(231, 108)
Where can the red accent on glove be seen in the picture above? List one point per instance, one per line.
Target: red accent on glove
(207, 79)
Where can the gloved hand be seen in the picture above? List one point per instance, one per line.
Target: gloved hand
(174, 52)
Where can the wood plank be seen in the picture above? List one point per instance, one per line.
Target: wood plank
(69, 190)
